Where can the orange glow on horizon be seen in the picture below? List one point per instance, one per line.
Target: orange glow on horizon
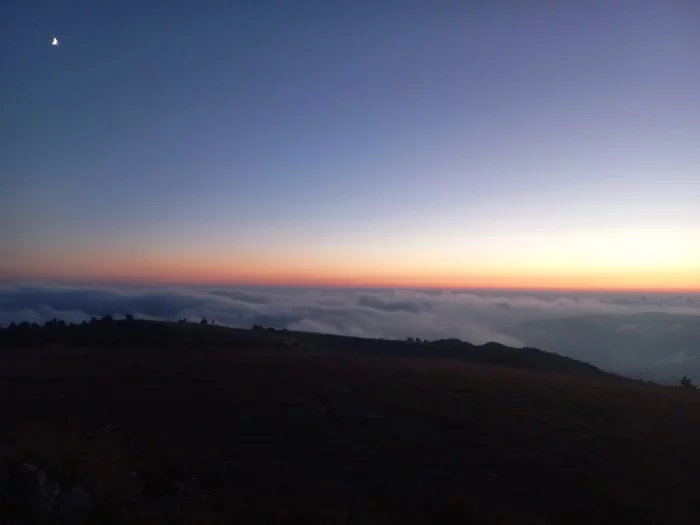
(468, 269)
(687, 281)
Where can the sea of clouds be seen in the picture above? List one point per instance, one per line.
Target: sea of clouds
(653, 335)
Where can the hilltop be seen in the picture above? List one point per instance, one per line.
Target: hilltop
(108, 332)
(188, 423)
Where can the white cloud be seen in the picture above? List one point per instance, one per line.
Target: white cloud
(592, 327)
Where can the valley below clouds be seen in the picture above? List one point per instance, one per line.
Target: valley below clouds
(654, 336)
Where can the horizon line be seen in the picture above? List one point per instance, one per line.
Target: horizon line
(343, 286)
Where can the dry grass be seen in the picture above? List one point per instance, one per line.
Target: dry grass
(344, 439)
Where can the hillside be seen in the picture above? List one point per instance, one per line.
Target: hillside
(182, 423)
(107, 332)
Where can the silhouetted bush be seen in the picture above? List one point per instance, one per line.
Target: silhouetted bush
(687, 383)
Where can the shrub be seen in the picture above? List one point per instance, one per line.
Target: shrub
(687, 383)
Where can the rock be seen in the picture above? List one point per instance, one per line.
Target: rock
(48, 490)
(29, 495)
(71, 507)
(225, 473)
(319, 410)
(227, 469)
(27, 492)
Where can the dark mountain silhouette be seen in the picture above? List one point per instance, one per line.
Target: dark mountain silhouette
(108, 332)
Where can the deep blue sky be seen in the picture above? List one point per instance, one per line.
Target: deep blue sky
(426, 142)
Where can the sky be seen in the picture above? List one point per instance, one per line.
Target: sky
(451, 144)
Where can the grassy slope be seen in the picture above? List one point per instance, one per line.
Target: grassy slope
(332, 432)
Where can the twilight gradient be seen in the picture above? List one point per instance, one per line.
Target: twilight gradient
(396, 143)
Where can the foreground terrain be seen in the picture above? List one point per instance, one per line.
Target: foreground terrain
(181, 423)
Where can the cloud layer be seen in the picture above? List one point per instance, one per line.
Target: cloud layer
(610, 330)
